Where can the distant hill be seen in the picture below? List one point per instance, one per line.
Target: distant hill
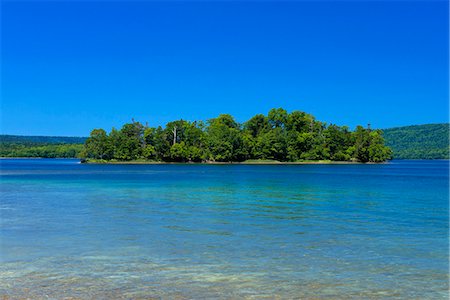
(23, 139)
(429, 141)
(40, 146)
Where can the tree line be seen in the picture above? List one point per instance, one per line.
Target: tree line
(279, 135)
(40, 150)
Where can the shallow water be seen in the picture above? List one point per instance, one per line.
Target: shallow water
(223, 231)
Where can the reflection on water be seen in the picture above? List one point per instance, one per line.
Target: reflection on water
(198, 231)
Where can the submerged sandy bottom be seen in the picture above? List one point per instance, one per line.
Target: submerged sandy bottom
(99, 277)
(72, 231)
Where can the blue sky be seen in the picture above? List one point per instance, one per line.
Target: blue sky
(70, 67)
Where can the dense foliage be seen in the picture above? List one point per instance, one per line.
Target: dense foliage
(40, 150)
(278, 136)
(430, 141)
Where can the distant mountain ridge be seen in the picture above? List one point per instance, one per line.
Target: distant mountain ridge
(24, 139)
(428, 141)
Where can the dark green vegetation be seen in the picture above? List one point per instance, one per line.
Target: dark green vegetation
(40, 146)
(280, 136)
(430, 141)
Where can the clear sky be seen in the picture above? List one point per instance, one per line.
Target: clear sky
(70, 67)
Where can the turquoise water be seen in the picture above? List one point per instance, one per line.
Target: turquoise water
(224, 231)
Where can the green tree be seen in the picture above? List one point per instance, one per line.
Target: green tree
(225, 140)
(257, 125)
(97, 146)
(298, 144)
(272, 145)
(179, 152)
(337, 140)
(378, 152)
(361, 142)
(299, 121)
(128, 142)
(278, 117)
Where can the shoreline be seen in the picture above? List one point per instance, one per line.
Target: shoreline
(323, 162)
(231, 163)
(255, 162)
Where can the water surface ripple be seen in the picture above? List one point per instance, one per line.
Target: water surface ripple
(223, 231)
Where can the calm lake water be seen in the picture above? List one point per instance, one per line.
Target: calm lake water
(224, 231)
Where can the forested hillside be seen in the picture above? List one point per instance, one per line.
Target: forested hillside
(40, 146)
(430, 141)
(279, 135)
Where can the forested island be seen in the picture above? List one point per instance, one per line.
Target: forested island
(428, 141)
(279, 136)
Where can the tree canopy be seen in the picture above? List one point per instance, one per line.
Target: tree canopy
(281, 136)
